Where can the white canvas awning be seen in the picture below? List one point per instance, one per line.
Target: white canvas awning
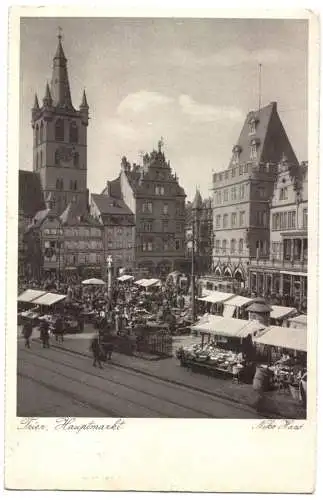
(228, 327)
(239, 301)
(216, 297)
(49, 299)
(280, 312)
(140, 282)
(228, 310)
(289, 338)
(298, 321)
(30, 295)
(93, 281)
(125, 277)
(151, 282)
(294, 273)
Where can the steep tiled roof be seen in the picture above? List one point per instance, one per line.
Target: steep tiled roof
(108, 205)
(270, 136)
(73, 215)
(113, 188)
(31, 198)
(197, 202)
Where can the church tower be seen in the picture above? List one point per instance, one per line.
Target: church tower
(60, 139)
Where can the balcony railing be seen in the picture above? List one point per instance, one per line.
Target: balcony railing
(288, 265)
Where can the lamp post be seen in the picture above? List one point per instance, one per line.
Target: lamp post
(109, 265)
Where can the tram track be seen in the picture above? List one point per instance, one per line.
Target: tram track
(199, 413)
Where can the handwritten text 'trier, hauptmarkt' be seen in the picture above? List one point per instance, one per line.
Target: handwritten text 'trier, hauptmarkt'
(69, 424)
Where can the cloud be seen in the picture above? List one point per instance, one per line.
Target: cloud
(141, 101)
(204, 113)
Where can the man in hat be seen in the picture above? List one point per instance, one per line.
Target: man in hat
(96, 350)
(27, 332)
(44, 334)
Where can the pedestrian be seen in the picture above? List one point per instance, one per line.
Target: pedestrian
(44, 334)
(96, 350)
(27, 332)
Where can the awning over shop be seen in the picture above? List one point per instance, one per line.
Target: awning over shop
(140, 282)
(49, 299)
(239, 301)
(299, 321)
(280, 312)
(228, 311)
(279, 336)
(216, 297)
(152, 282)
(30, 295)
(228, 327)
(125, 277)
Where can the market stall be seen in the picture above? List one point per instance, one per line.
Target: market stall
(235, 307)
(225, 349)
(280, 314)
(285, 350)
(298, 321)
(214, 301)
(125, 277)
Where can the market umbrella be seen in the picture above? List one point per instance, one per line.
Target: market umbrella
(93, 281)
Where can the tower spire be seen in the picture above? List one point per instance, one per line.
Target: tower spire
(60, 87)
(36, 103)
(47, 101)
(84, 104)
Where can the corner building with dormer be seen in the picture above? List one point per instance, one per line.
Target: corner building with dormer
(60, 140)
(242, 194)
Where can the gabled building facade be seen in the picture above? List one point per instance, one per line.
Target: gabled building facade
(242, 194)
(152, 192)
(118, 225)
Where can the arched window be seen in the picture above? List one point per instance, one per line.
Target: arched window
(233, 246)
(37, 134)
(76, 160)
(56, 157)
(73, 133)
(59, 130)
(241, 246)
(41, 135)
(224, 246)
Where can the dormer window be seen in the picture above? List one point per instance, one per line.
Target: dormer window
(252, 125)
(236, 153)
(253, 149)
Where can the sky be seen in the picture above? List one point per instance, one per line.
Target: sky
(190, 81)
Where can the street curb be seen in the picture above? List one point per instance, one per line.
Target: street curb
(180, 384)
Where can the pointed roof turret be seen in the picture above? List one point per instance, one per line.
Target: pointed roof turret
(47, 101)
(60, 86)
(197, 202)
(84, 104)
(36, 103)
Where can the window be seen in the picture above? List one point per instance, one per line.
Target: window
(305, 218)
(149, 246)
(233, 172)
(177, 244)
(253, 152)
(71, 184)
(56, 157)
(261, 192)
(275, 222)
(241, 246)
(233, 220)
(226, 175)
(217, 246)
(242, 219)
(73, 133)
(37, 134)
(165, 245)
(59, 130)
(233, 246)
(165, 209)
(246, 168)
(225, 221)
(225, 195)
(218, 221)
(240, 170)
(147, 206)
(159, 190)
(233, 193)
(147, 227)
(252, 127)
(179, 227)
(41, 132)
(224, 246)
(76, 160)
(283, 193)
(165, 226)
(242, 192)
(293, 221)
(41, 159)
(220, 177)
